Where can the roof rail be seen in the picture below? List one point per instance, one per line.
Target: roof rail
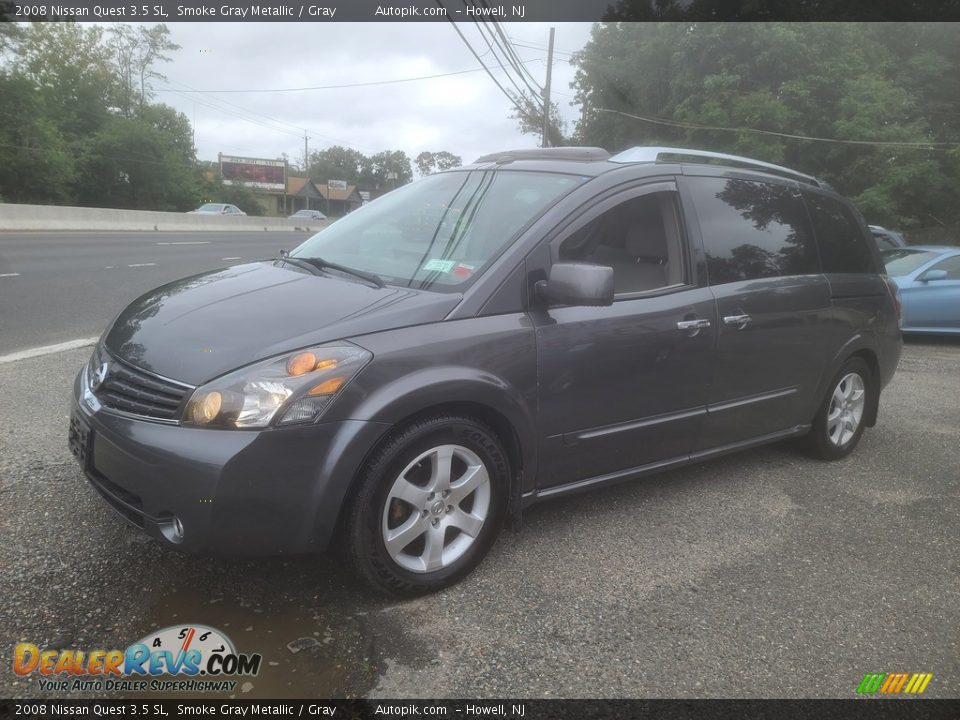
(554, 153)
(652, 154)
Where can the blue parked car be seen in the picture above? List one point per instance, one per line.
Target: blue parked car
(929, 280)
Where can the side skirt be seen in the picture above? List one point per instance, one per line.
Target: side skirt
(619, 476)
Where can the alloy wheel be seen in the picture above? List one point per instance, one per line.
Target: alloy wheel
(435, 508)
(846, 409)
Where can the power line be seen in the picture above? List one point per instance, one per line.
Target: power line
(533, 46)
(506, 55)
(512, 56)
(691, 126)
(232, 113)
(366, 84)
(453, 24)
(491, 41)
(253, 114)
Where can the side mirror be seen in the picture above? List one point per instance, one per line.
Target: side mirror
(577, 284)
(933, 275)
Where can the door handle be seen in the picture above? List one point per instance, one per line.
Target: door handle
(739, 321)
(694, 325)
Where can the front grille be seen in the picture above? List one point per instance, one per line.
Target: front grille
(131, 390)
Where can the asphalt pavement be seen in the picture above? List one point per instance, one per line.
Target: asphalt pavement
(57, 287)
(763, 574)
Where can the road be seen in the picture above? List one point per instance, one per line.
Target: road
(764, 574)
(56, 287)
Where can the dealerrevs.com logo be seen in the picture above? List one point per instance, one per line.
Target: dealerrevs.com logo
(900, 683)
(202, 658)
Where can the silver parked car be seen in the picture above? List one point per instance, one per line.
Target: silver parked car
(217, 209)
(308, 215)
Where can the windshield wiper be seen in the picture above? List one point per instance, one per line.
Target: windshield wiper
(315, 263)
(310, 267)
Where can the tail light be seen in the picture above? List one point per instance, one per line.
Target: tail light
(894, 291)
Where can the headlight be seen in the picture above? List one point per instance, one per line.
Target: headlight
(295, 388)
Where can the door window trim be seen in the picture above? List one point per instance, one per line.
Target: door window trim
(606, 202)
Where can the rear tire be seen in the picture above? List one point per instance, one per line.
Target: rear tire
(839, 423)
(428, 506)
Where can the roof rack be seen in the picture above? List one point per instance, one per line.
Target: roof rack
(652, 154)
(554, 153)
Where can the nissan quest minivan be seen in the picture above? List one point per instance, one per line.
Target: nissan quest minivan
(541, 322)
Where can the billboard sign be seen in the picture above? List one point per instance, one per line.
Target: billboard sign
(337, 185)
(254, 172)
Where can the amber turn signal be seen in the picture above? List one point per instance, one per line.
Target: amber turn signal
(301, 363)
(328, 387)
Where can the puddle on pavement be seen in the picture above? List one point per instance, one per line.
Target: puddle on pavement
(335, 652)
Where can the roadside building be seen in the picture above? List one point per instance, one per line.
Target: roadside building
(303, 194)
(340, 200)
(279, 193)
(333, 200)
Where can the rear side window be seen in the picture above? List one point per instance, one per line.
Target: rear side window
(752, 229)
(843, 247)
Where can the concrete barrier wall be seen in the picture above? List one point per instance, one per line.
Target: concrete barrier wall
(51, 218)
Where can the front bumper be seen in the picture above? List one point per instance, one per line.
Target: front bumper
(236, 492)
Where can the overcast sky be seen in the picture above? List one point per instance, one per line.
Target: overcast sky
(465, 114)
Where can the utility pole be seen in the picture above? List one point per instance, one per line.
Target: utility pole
(545, 137)
(306, 155)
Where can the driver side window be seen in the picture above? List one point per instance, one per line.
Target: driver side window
(639, 239)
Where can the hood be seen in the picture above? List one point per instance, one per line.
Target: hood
(201, 327)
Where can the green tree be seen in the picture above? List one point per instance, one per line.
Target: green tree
(36, 164)
(77, 124)
(746, 87)
(528, 112)
(388, 169)
(429, 162)
(9, 31)
(136, 51)
(337, 163)
(71, 69)
(140, 163)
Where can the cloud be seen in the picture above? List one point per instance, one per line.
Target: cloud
(465, 114)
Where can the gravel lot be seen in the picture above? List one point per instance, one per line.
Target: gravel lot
(765, 574)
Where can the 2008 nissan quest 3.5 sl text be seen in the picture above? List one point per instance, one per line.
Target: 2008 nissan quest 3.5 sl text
(538, 323)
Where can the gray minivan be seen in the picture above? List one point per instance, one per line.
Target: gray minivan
(538, 323)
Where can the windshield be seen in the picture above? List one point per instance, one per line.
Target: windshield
(902, 261)
(441, 231)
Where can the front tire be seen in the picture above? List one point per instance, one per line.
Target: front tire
(839, 424)
(428, 506)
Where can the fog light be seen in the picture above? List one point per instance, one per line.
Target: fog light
(171, 527)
